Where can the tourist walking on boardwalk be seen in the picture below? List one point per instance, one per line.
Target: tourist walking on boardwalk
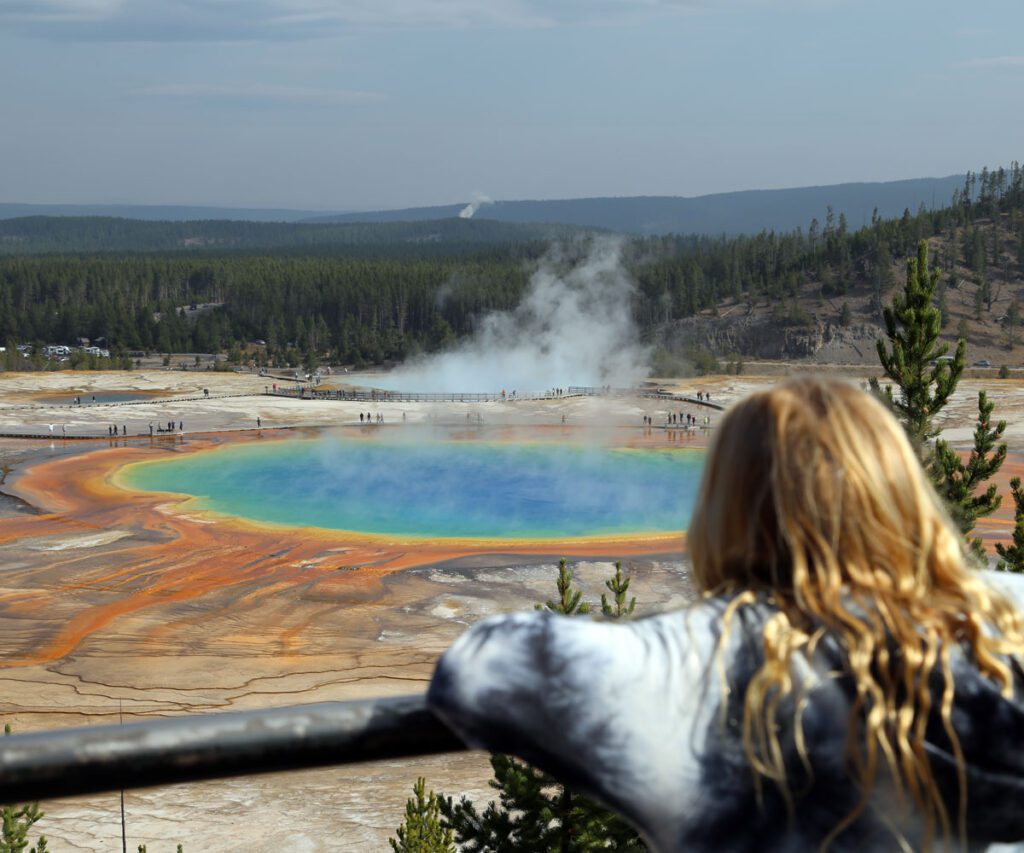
(259, 423)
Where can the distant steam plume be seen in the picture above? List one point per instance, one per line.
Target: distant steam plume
(479, 199)
(574, 326)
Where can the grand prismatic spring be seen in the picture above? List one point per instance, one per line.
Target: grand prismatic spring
(225, 571)
(436, 489)
(233, 568)
(135, 534)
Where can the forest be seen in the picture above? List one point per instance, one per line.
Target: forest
(381, 298)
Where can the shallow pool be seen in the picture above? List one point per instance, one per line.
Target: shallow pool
(100, 397)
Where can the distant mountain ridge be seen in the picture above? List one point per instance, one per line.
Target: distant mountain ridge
(158, 212)
(732, 213)
(742, 212)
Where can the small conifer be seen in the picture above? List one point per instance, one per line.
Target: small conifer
(424, 830)
(16, 823)
(1012, 556)
(618, 586)
(958, 481)
(569, 603)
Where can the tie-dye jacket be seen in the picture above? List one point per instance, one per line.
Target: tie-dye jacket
(645, 717)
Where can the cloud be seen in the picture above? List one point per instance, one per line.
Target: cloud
(291, 20)
(260, 93)
(993, 62)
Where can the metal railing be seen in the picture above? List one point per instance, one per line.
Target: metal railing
(70, 762)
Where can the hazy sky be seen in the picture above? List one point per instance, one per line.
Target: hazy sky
(346, 104)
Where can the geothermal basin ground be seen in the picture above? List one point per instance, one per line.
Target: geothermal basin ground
(119, 599)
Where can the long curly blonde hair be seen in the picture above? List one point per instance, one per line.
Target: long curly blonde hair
(813, 498)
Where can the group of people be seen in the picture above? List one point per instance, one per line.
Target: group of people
(168, 427)
(682, 418)
(371, 419)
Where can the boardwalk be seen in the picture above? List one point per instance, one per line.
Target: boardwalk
(375, 395)
(106, 411)
(682, 398)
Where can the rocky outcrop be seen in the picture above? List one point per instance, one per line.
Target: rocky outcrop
(767, 338)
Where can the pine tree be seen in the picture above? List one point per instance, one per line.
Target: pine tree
(1011, 323)
(568, 603)
(925, 378)
(17, 822)
(424, 830)
(958, 481)
(914, 360)
(1011, 557)
(618, 586)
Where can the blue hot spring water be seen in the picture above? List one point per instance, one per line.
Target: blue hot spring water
(437, 489)
(101, 397)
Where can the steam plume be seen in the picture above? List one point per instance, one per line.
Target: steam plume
(574, 326)
(479, 199)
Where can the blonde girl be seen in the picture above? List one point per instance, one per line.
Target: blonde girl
(846, 680)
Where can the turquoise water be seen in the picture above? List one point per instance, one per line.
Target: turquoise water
(101, 397)
(438, 489)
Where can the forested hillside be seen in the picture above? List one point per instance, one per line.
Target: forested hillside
(393, 300)
(753, 296)
(66, 234)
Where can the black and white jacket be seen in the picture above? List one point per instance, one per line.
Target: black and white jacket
(642, 716)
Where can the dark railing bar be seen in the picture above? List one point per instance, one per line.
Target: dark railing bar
(69, 762)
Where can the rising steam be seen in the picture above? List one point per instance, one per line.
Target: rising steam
(574, 326)
(479, 199)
